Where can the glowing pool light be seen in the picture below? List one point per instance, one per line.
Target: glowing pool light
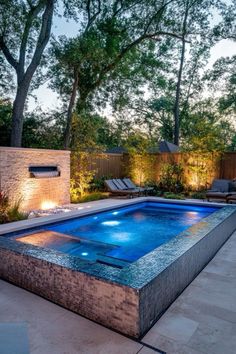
(115, 213)
(111, 223)
(48, 204)
(84, 254)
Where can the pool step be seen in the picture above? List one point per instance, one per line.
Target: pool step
(113, 262)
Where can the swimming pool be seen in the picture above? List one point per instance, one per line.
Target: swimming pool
(119, 236)
(138, 256)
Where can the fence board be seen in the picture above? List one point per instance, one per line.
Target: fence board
(194, 164)
(107, 165)
(228, 166)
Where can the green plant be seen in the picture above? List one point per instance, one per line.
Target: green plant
(141, 167)
(198, 195)
(8, 212)
(156, 190)
(14, 214)
(97, 184)
(202, 169)
(170, 195)
(4, 205)
(172, 178)
(81, 175)
(89, 197)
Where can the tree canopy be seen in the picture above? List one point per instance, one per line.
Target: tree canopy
(135, 71)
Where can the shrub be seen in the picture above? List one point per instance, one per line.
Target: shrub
(172, 178)
(90, 197)
(170, 195)
(4, 205)
(198, 195)
(81, 175)
(97, 184)
(10, 213)
(140, 167)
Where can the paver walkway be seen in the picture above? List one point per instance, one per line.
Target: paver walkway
(201, 320)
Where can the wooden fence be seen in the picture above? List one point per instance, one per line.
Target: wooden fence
(110, 165)
(228, 166)
(199, 169)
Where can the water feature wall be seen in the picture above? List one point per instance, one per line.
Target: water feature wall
(47, 187)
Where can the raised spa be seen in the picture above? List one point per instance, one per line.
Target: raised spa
(121, 266)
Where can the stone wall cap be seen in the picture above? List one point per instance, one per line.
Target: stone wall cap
(7, 148)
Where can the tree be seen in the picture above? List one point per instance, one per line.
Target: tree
(109, 39)
(5, 122)
(25, 28)
(40, 130)
(206, 130)
(92, 132)
(226, 28)
(195, 25)
(223, 78)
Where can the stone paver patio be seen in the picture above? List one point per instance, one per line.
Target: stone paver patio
(201, 320)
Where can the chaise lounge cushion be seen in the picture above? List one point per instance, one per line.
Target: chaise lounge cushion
(219, 195)
(232, 186)
(220, 185)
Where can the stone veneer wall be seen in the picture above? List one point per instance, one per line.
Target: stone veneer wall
(33, 192)
(114, 305)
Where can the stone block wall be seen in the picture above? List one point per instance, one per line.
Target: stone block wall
(34, 193)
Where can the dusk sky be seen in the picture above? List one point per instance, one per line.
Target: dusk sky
(47, 99)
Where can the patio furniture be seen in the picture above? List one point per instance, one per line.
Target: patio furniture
(232, 190)
(221, 189)
(122, 185)
(115, 187)
(131, 185)
(231, 198)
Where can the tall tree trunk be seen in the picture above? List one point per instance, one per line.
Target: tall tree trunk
(178, 85)
(177, 96)
(67, 134)
(17, 114)
(24, 76)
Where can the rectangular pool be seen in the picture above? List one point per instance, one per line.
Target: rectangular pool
(124, 234)
(120, 264)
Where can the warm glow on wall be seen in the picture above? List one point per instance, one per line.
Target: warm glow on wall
(192, 181)
(48, 204)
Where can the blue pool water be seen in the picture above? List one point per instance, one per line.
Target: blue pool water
(124, 234)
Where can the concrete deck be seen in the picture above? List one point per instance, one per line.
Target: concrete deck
(201, 320)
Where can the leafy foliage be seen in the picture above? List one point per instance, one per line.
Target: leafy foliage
(8, 212)
(170, 195)
(81, 175)
(40, 130)
(172, 177)
(90, 197)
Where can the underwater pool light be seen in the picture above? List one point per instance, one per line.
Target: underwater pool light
(111, 223)
(192, 213)
(84, 253)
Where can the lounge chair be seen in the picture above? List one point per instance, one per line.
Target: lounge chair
(231, 198)
(131, 185)
(116, 188)
(232, 191)
(122, 185)
(221, 189)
